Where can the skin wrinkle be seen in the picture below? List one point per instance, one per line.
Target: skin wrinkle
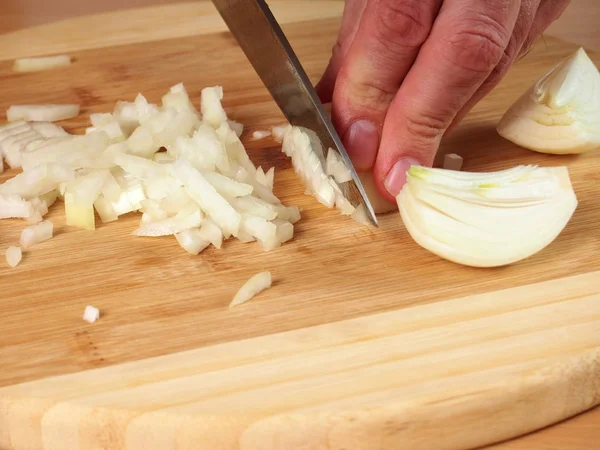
(415, 68)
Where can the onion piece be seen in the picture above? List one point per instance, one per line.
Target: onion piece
(91, 314)
(105, 209)
(208, 142)
(42, 113)
(211, 108)
(260, 134)
(13, 206)
(560, 113)
(207, 197)
(251, 288)
(191, 241)
(226, 186)
(255, 206)
(13, 256)
(236, 126)
(279, 132)
(41, 63)
(210, 232)
(36, 233)
(191, 217)
(336, 168)
(486, 219)
(259, 228)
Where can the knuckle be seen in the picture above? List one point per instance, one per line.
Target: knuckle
(370, 97)
(498, 72)
(478, 46)
(425, 127)
(403, 24)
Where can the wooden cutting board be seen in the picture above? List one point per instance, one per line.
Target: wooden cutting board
(365, 341)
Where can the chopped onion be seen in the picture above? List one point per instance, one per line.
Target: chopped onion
(91, 314)
(36, 233)
(252, 287)
(42, 113)
(210, 106)
(191, 241)
(279, 132)
(210, 232)
(226, 186)
(184, 220)
(236, 126)
(336, 167)
(41, 63)
(452, 161)
(203, 193)
(13, 206)
(260, 134)
(13, 256)
(204, 189)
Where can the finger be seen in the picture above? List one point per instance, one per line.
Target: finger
(514, 48)
(386, 44)
(353, 10)
(547, 13)
(466, 43)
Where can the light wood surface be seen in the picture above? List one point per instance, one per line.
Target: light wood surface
(447, 375)
(157, 301)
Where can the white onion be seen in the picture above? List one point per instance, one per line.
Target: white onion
(486, 219)
(259, 228)
(260, 134)
(42, 113)
(41, 63)
(91, 314)
(279, 132)
(13, 206)
(204, 189)
(210, 232)
(251, 288)
(13, 256)
(183, 220)
(226, 186)
(210, 106)
(336, 167)
(203, 193)
(36, 233)
(191, 241)
(236, 126)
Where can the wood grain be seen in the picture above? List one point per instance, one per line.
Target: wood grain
(496, 365)
(156, 300)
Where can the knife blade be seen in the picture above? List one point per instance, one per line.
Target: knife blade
(260, 37)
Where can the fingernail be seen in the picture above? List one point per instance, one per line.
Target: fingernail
(396, 178)
(361, 142)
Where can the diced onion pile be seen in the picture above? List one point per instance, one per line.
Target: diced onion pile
(186, 171)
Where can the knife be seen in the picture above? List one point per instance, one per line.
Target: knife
(260, 37)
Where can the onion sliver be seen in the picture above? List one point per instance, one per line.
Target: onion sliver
(252, 287)
(42, 113)
(41, 63)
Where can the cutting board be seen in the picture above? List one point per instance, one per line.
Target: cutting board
(365, 340)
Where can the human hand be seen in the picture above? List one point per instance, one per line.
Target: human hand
(404, 71)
